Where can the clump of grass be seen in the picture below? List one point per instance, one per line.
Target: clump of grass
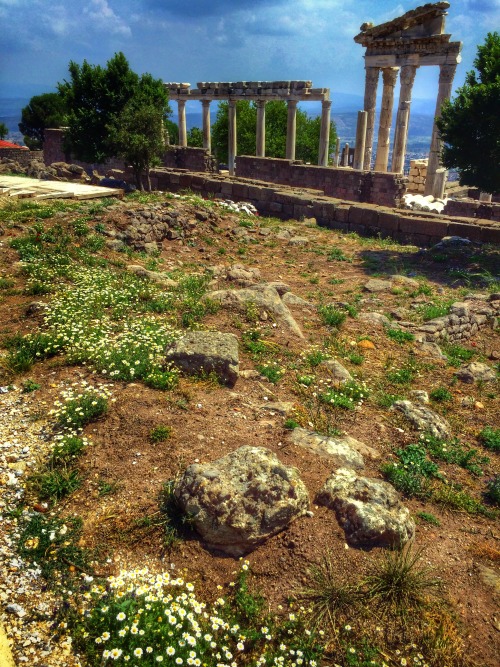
(290, 424)
(399, 335)
(384, 399)
(441, 395)
(78, 408)
(428, 517)
(57, 484)
(160, 433)
(331, 316)
(431, 311)
(490, 438)
(399, 586)
(272, 371)
(403, 376)
(337, 255)
(347, 396)
(29, 386)
(453, 451)
(457, 355)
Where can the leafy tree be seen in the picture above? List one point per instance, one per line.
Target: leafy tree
(173, 132)
(137, 133)
(95, 96)
(470, 125)
(195, 137)
(42, 111)
(307, 137)
(4, 130)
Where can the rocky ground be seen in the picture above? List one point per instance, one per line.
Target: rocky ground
(308, 310)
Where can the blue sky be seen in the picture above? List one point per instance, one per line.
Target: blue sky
(215, 40)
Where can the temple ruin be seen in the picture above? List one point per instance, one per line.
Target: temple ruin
(400, 47)
(259, 92)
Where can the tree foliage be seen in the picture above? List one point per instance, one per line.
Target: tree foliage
(307, 136)
(4, 130)
(95, 96)
(137, 132)
(42, 111)
(195, 137)
(470, 125)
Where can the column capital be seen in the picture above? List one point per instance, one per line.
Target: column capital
(291, 103)
(205, 103)
(407, 75)
(260, 104)
(372, 73)
(326, 104)
(447, 73)
(390, 76)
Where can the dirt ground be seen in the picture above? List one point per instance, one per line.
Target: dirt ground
(208, 421)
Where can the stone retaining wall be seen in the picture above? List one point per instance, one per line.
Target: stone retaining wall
(187, 157)
(415, 227)
(463, 322)
(471, 208)
(20, 155)
(340, 182)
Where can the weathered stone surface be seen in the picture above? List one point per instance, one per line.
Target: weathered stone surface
(378, 285)
(281, 407)
(341, 449)
(404, 281)
(266, 299)
(207, 352)
(375, 318)
(424, 419)
(241, 499)
(419, 395)
(36, 308)
(339, 373)
(432, 350)
(243, 275)
(290, 299)
(475, 372)
(140, 271)
(369, 510)
(298, 240)
(281, 287)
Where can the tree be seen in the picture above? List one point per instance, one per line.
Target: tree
(195, 137)
(469, 126)
(308, 131)
(42, 111)
(95, 96)
(4, 130)
(137, 132)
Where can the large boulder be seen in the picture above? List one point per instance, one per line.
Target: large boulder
(476, 372)
(241, 499)
(424, 419)
(369, 510)
(343, 450)
(266, 300)
(206, 352)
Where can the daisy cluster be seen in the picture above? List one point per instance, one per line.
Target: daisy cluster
(80, 404)
(139, 618)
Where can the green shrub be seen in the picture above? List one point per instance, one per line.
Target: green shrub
(29, 386)
(347, 396)
(160, 433)
(452, 451)
(66, 449)
(337, 255)
(440, 395)
(290, 424)
(56, 484)
(457, 355)
(399, 335)
(453, 497)
(271, 371)
(490, 438)
(412, 474)
(80, 408)
(429, 518)
(493, 489)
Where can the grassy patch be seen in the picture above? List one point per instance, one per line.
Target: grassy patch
(399, 335)
(413, 472)
(331, 316)
(457, 355)
(490, 438)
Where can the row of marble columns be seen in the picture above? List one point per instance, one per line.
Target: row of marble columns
(407, 77)
(260, 142)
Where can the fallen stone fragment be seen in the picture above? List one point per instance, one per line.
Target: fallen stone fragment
(341, 449)
(424, 419)
(369, 510)
(264, 298)
(140, 271)
(206, 352)
(432, 350)
(476, 372)
(290, 299)
(339, 373)
(419, 395)
(242, 499)
(375, 318)
(377, 285)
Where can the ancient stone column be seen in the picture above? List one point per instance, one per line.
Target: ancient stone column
(181, 106)
(389, 76)
(371, 84)
(359, 149)
(260, 142)
(232, 137)
(446, 75)
(337, 153)
(407, 77)
(207, 139)
(345, 156)
(324, 137)
(291, 129)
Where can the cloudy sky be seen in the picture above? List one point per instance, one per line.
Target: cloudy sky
(214, 40)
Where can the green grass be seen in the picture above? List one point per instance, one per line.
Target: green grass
(441, 395)
(399, 335)
(331, 316)
(349, 395)
(428, 517)
(457, 355)
(453, 497)
(160, 433)
(271, 371)
(413, 472)
(452, 451)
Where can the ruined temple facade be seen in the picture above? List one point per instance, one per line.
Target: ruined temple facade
(259, 92)
(399, 48)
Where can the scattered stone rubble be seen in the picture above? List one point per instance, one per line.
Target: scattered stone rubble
(465, 320)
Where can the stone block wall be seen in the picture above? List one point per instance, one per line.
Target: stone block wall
(20, 155)
(421, 229)
(187, 157)
(464, 321)
(380, 188)
(418, 175)
(471, 208)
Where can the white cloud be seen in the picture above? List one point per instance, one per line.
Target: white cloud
(105, 19)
